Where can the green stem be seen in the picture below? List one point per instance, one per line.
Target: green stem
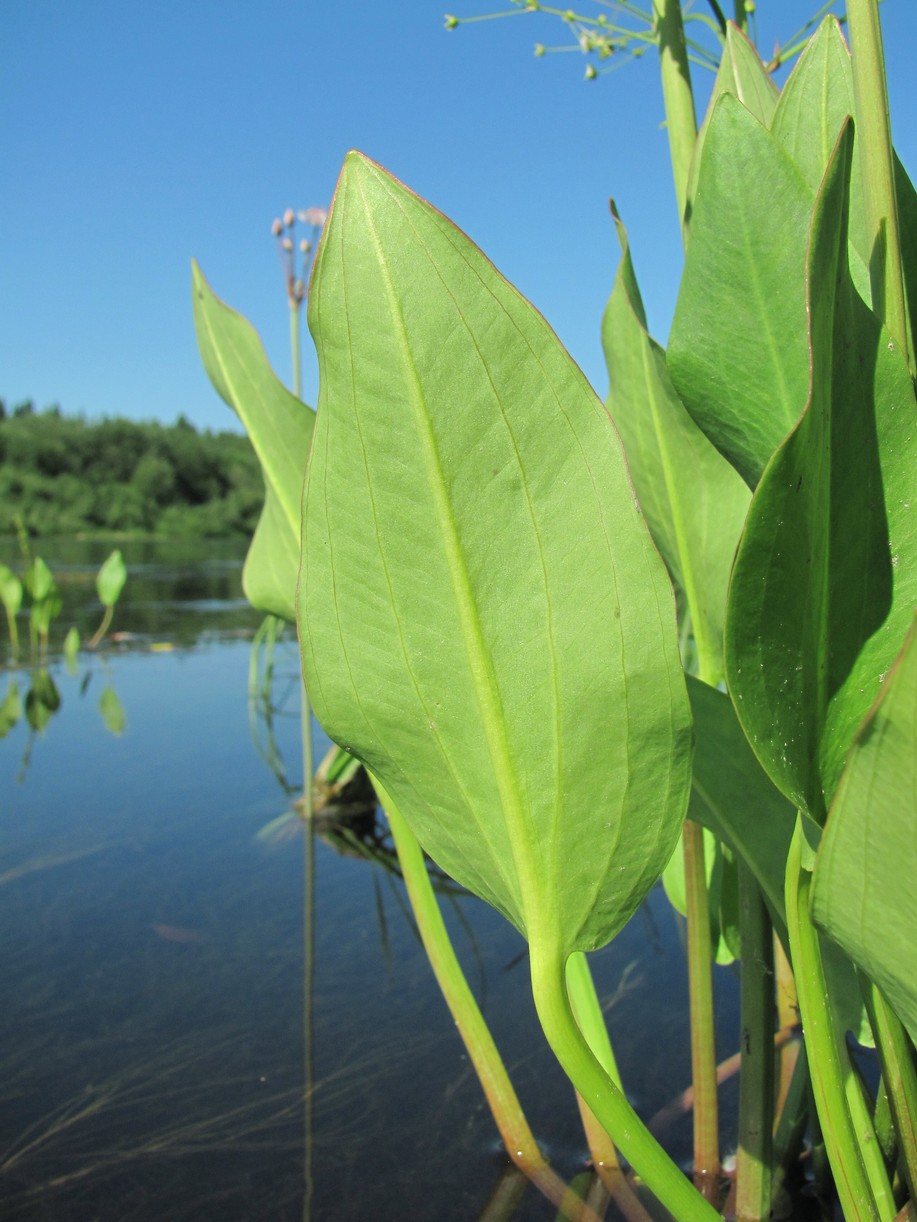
(874, 142)
(102, 628)
(791, 1127)
(589, 1018)
(677, 94)
(741, 15)
(604, 1098)
(700, 988)
(295, 349)
(899, 1077)
(870, 1148)
(756, 1080)
(504, 1103)
(827, 1078)
(308, 802)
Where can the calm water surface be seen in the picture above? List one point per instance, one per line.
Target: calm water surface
(209, 1013)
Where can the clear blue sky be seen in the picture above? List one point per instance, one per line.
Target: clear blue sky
(137, 135)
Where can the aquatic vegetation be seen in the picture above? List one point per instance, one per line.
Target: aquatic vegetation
(565, 637)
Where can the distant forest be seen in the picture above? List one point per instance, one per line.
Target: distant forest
(65, 475)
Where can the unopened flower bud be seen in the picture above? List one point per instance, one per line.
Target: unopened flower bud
(591, 73)
(289, 217)
(305, 246)
(450, 22)
(277, 227)
(539, 50)
(299, 290)
(287, 244)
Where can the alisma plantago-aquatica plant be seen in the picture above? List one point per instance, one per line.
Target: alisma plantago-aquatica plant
(492, 573)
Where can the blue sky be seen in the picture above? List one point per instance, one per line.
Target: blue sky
(136, 136)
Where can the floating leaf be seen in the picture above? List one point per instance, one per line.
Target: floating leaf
(489, 627)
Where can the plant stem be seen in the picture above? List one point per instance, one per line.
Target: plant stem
(308, 801)
(791, 1126)
(102, 628)
(677, 94)
(787, 1017)
(870, 1148)
(756, 1081)
(498, 1090)
(607, 1102)
(827, 1078)
(590, 1020)
(899, 1077)
(877, 160)
(703, 1033)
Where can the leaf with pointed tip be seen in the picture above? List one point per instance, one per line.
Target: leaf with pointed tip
(110, 579)
(863, 893)
(491, 631)
(814, 104)
(693, 500)
(737, 352)
(825, 578)
(279, 427)
(743, 74)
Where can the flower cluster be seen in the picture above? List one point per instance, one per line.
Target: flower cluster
(284, 230)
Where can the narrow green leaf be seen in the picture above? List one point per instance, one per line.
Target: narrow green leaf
(694, 501)
(737, 353)
(491, 630)
(826, 575)
(864, 894)
(111, 578)
(279, 427)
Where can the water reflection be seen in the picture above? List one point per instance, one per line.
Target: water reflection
(161, 941)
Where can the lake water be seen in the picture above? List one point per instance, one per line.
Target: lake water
(211, 1012)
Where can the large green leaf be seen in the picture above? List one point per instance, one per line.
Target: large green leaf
(825, 579)
(279, 427)
(491, 630)
(864, 894)
(814, 104)
(737, 353)
(694, 501)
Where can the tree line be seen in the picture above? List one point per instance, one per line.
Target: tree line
(67, 475)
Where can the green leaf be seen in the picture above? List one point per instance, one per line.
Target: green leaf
(42, 700)
(694, 501)
(112, 711)
(10, 590)
(864, 894)
(815, 102)
(742, 74)
(733, 796)
(71, 648)
(111, 578)
(38, 580)
(10, 708)
(737, 354)
(491, 630)
(279, 427)
(826, 575)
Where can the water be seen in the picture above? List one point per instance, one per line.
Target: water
(203, 1022)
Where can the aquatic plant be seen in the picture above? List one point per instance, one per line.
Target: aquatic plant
(561, 637)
